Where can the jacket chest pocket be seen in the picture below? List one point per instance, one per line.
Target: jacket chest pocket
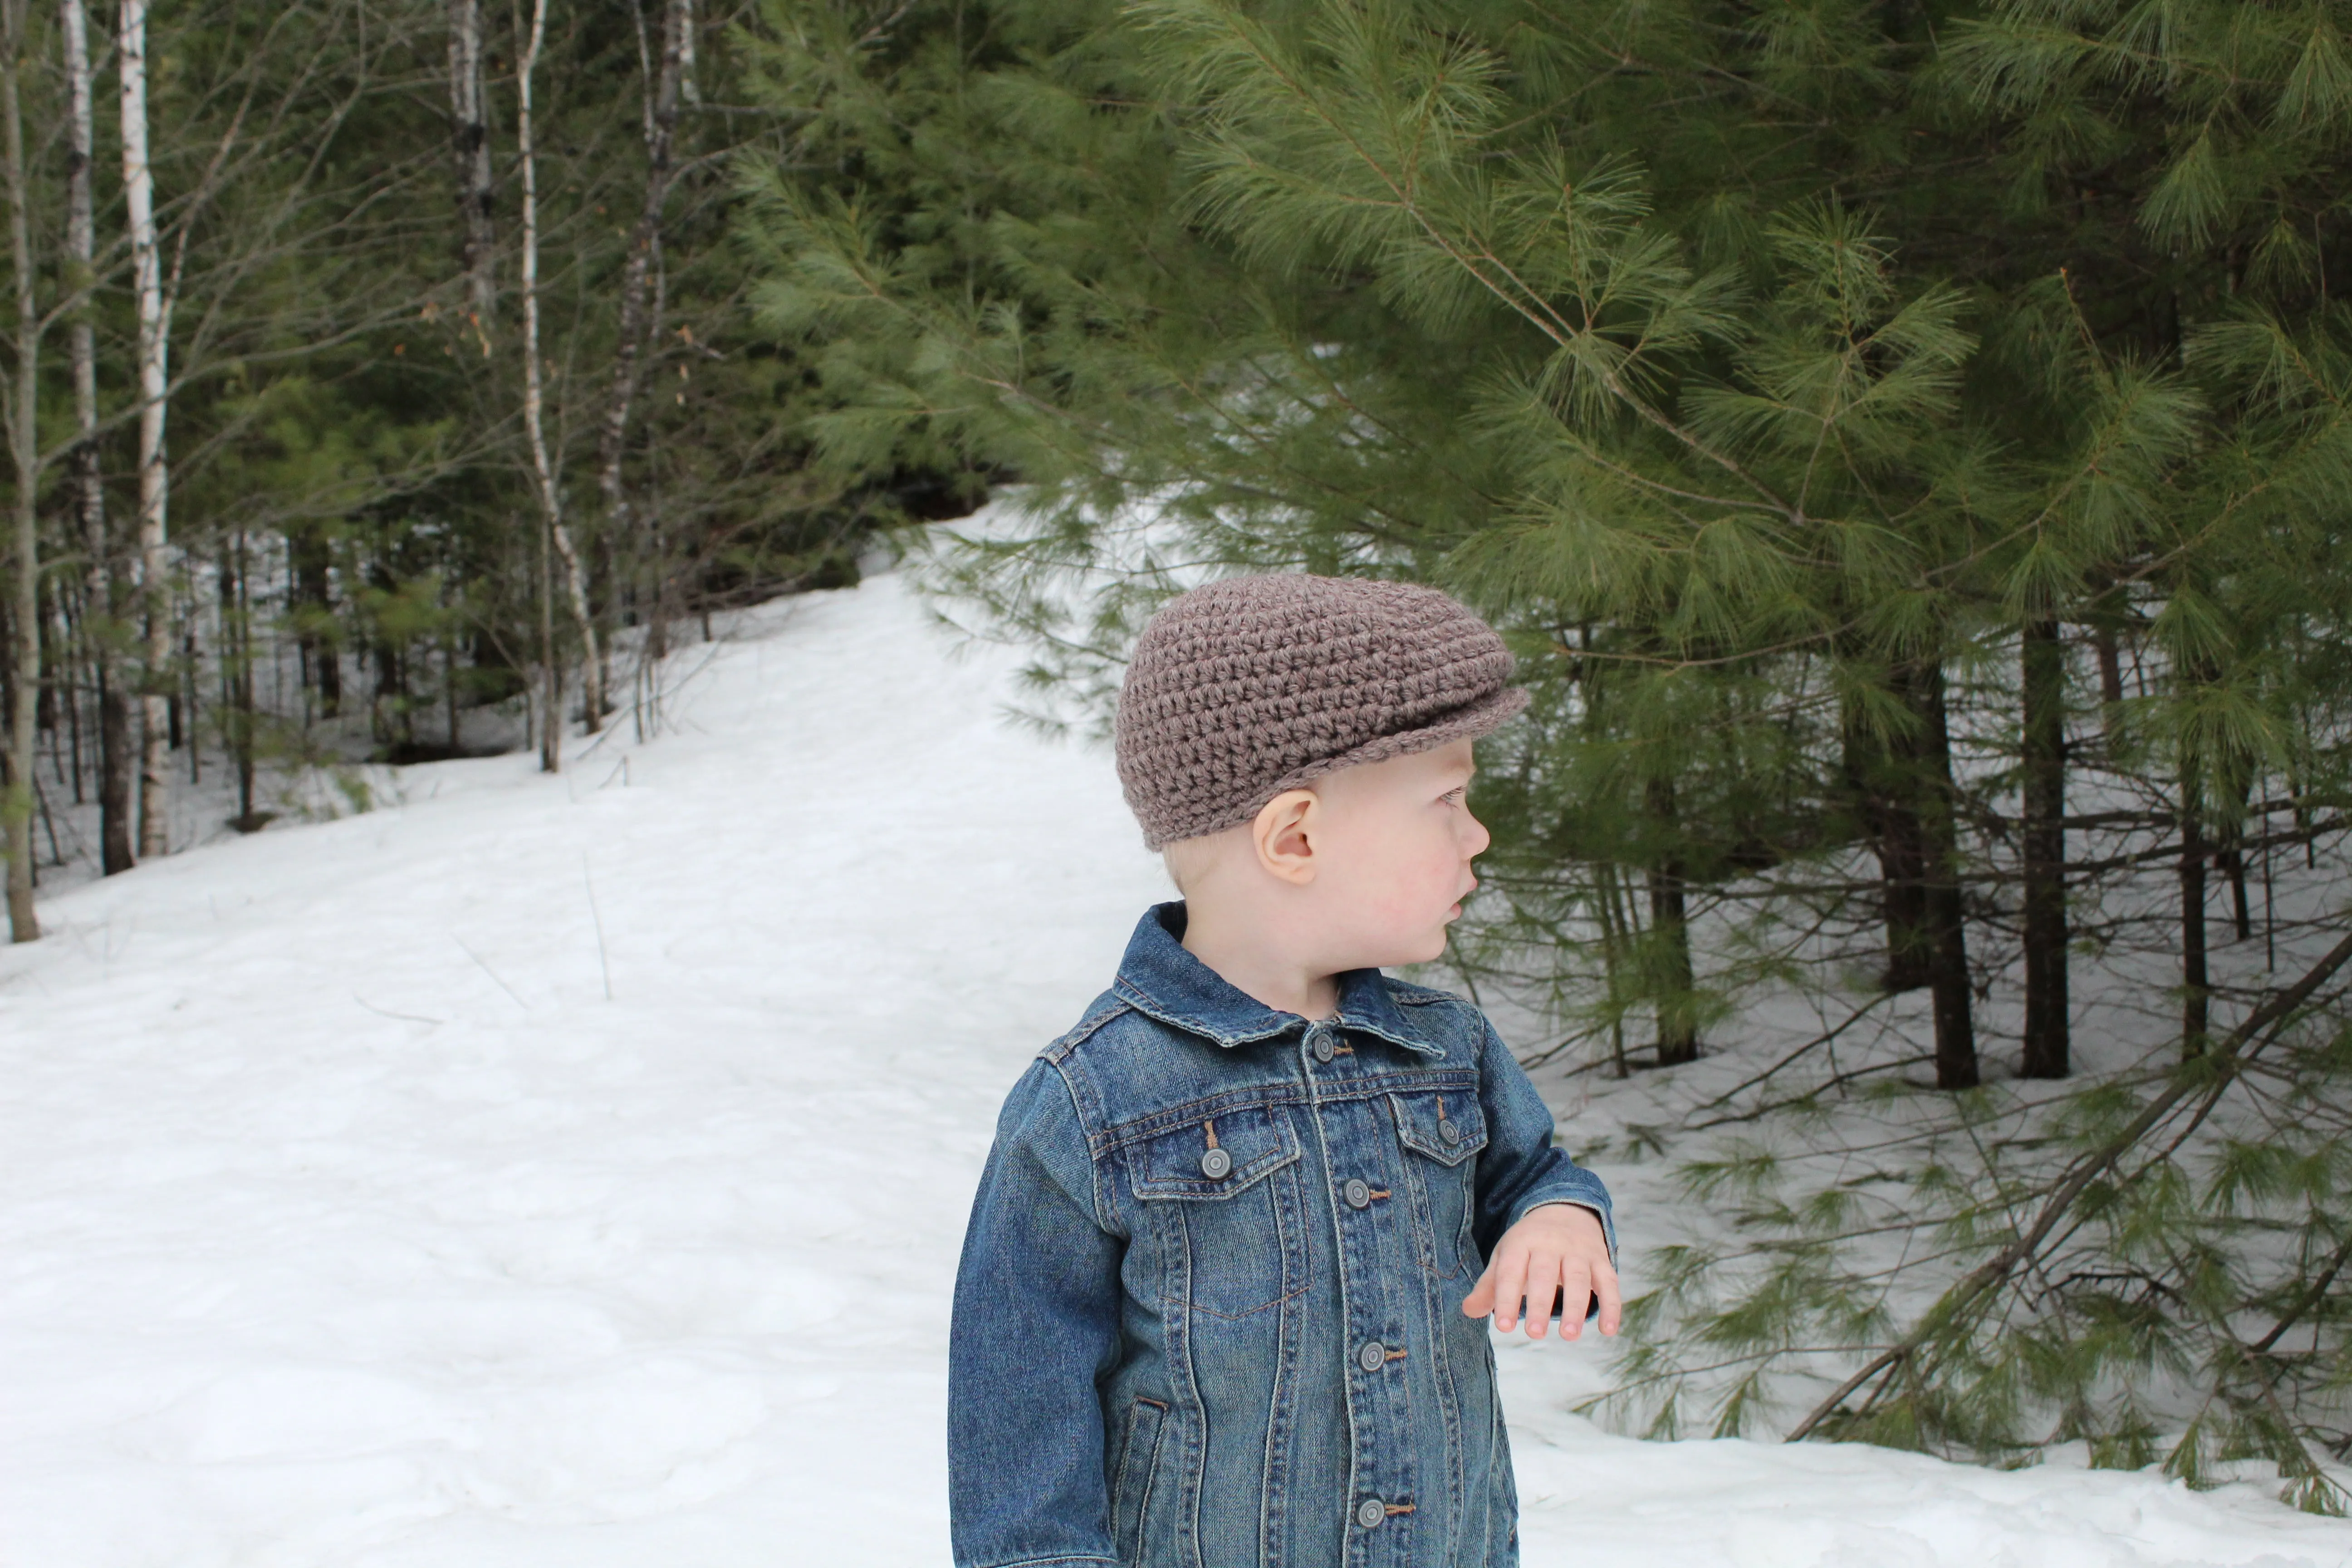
(1223, 1194)
(1441, 1131)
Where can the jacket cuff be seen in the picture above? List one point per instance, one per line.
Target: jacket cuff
(1062, 1562)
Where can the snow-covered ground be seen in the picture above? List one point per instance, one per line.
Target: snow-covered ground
(570, 1170)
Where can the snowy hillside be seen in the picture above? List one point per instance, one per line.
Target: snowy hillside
(570, 1170)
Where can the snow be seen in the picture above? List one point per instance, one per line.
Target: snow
(570, 1170)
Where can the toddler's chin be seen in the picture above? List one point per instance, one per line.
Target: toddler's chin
(1403, 943)
(1429, 948)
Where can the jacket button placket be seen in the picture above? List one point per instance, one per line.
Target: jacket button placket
(1361, 1143)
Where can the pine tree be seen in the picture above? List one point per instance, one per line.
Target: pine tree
(1827, 402)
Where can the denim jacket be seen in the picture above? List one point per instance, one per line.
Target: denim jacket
(1208, 1310)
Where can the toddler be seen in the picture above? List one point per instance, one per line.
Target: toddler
(1222, 1298)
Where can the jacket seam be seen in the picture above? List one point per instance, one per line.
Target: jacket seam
(1083, 1030)
(1151, 1007)
(1409, 1134)
(1267, 1095)
(1105, 1219)
(1181, 1189)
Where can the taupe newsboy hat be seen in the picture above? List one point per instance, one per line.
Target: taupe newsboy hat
(1247, 687)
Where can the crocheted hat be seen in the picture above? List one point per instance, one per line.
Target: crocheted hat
(1250, 686)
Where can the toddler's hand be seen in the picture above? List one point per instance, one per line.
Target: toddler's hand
(1557, 1247)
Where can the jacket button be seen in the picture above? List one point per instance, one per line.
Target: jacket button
(1359, 1193)
(1215, 1163)
(1373, 1356)
(1451, 1133)
(1371, 1511)
(1323, 1049)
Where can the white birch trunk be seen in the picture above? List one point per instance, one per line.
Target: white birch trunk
(24, 435)
(103, 581)
(661, 98)
(534, 404)
(155, 475)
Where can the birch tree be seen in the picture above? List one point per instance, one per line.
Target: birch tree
(662, 93)
(155, 473)
(102, 578)
(662, 90)
(22, 411)
(311, 328)
(470, 147)
(534, 402)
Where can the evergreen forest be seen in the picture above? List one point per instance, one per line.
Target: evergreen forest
(1903, 442)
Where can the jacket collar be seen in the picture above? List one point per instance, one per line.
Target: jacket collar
(1157, 976)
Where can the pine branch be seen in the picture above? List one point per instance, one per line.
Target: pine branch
(2219, 1066)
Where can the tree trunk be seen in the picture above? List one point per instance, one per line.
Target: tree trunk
(534, 399)
(1948, 950)
(2196, 997)
(154, 336)
(2111, 662)
(106, 591)
(636, 279)
(1882, 774)
(2044, 687)
(186, 706)
(388, 714)
(50, 678)
(470, 130)
(551, 718)
(2230, 853)
(311, 563)
(117, 751)
(72, 630)
(656, 543)
(236, 674)
(24, 449)
(1612, 957)
(1669, 937)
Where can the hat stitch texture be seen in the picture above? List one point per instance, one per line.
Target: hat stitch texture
(1247, 687)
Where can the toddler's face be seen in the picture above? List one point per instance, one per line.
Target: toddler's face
(1394, 863)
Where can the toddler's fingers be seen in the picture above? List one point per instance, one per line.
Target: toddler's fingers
(1510, 1285)
(1612, 1307)
(1543, 1280)
(1481, 1300)
(1575, 1294)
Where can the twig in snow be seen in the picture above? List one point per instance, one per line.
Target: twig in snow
(1826, 1037)
(603, 960)
(493, 973)
(403, 1017)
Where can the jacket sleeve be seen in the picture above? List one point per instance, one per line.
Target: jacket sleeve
(1036, 1323)
(1521, 1168)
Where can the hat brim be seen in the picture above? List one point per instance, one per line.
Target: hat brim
(1469, 721)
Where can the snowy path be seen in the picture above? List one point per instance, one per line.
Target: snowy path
(344, 1218)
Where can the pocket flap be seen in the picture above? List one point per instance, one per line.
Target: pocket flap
(1445, 1124)
(1179, 1162)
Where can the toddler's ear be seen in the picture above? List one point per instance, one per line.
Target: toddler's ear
(1284, 835)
